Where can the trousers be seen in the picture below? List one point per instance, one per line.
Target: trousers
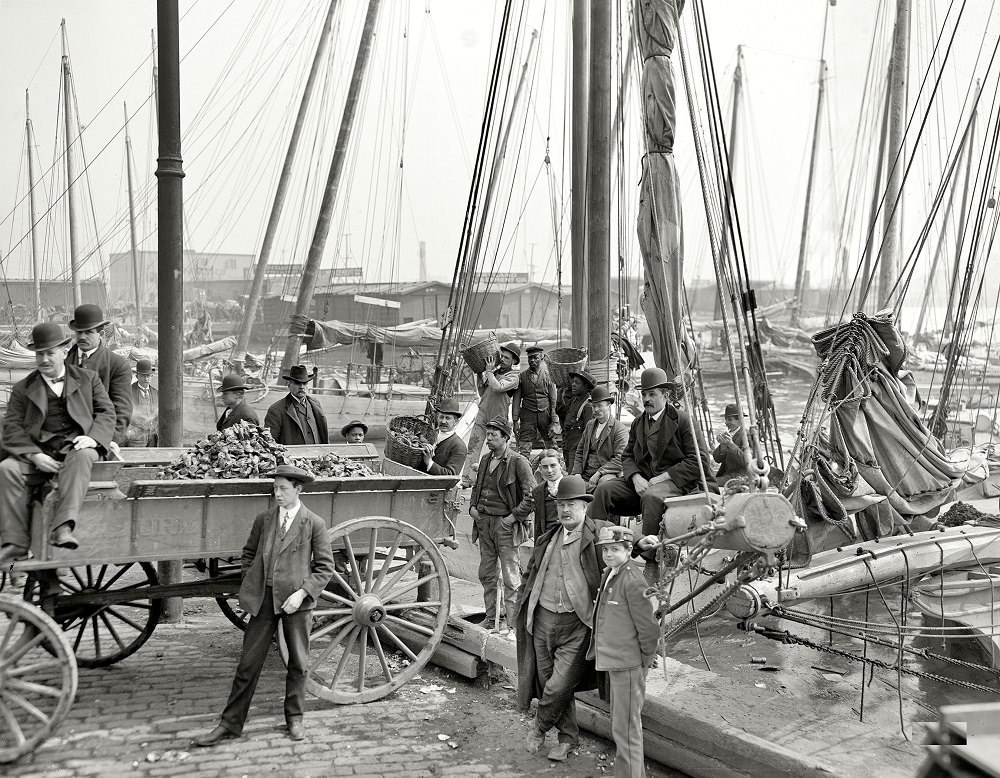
(476, 439)
(628, 692)
(498, 547)
(256, 643)
(618, 497)
(73, 481)
(534, 430)
(560, 641)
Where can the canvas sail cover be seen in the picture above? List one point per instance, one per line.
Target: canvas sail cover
(326, 334)
(659, 225)
(875, 458)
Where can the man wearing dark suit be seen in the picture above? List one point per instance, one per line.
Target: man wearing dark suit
(60, 420)
(145, 407)
(599, 452)
(660, 460)
(729, 452)
(233, 390)
(287, 562)
(447, 456)
(297, 419)
(555, 610)
(88, 323)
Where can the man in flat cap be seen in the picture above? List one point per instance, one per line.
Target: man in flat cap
(660, 460)
(499, 506)
(599, 452)
(145, 407)
(90, 352)
(574, 411)
(60, 420)
(495, 384)
(233, 393)
(533, 408)
(297, 419)
(287, 562)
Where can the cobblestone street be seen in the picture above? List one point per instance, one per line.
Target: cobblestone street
(136, 718)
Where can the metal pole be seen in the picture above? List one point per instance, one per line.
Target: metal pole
(801, 281)
(170, 256)
(578, 209)
(156, 79)
(133, 240)
(74, 250)
(36, 256)
(599, 184)
(260, 270)
(888, 257)
(304, 302)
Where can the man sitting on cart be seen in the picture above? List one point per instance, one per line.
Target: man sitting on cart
(59, 420)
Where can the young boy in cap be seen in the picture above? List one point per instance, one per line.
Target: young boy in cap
(287, 562)
(354, 431)
(623, 644)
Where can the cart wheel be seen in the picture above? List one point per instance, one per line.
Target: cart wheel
(37, 677)
(230, 607)
(229, 604)
(382, 615)
(87, 603)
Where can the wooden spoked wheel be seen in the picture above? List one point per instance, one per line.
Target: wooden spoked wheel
(103, 608)
(382, 615)
(38, 677)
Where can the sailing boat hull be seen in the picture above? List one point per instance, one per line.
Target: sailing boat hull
(969, 599)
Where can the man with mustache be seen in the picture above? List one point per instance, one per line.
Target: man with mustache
(660, 460)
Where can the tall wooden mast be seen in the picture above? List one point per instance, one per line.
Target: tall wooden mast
(36, 254)
(71, 174)
(578, 152)
(133, 240)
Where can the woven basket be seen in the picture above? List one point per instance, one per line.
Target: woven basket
(476, 354)
(398, 449)
(563, 361)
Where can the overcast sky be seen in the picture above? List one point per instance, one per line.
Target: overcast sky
(415, 141)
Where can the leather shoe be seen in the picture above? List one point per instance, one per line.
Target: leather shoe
(214, 737)
(296, 730)
(11, 553)
(535, 742)
(560, 752)
(63, 538)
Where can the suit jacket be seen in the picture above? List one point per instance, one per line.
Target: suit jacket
(515, 483)
(546, 515)
(142, 425)
(241, 412)
(666, 447)
(116, 375)
(304, 560)
(449, 457)
(529, 686)
(574, 413)
(625, 632)
(86, 402)
(609, 448)
(730, 455)
(283, 422)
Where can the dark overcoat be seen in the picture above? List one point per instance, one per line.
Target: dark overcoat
(115, 374)
(449, 457)
(528, 685)
(87, 403)
(304, 560)
(667, 446)
(242, 412)
(284, 424)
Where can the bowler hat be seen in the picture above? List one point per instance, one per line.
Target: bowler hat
(449, 405)
(514, 350)
(46, 335)
(586, 377)
(614, 534)
(300, 374)
(732, 410)
(601, 394)
(351, 424)
(534, 350)
(654, 378)
(500, 425)
(292, 473)
(87, 317)
(573, 487)
(231, 383)
(143, 367)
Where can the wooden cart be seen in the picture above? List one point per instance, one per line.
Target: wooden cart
(376, 625)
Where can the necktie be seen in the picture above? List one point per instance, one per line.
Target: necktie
(58, 380)
(286, 521)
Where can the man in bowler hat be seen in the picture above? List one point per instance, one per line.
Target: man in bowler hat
(145, 407)
(60, 420)
(297, 419)
(447, 454)
(90, 352)
(729, 452)
(599, 452)
(233, 394)
(287, 562)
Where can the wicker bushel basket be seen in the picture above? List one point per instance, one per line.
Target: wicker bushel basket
(563, 361)
(476, 354)
(399, 439)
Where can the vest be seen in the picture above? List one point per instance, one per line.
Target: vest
(58, 426)
(304, 413)
(534, 392)
(490, 501)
